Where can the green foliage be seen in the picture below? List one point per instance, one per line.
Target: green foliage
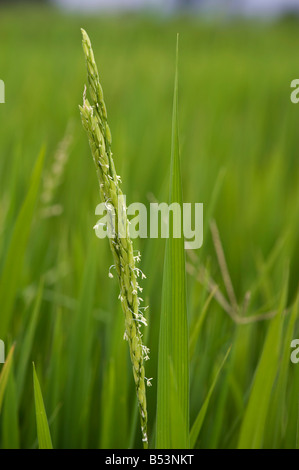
(197, 425)
(4, 376)
(254, 422)
(239, 156)
(173, 367)
(43, 432)
(16, 250)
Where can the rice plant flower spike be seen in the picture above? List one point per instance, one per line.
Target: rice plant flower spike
(94, 120)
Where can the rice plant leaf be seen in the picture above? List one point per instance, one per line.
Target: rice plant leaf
(202, 413)
(177, 421)
(173, 341)
(11, 433)
(196, 327)
(9, 280)
(279, 406)
(27, 343)
(80, 353)
(254, 422)
(214, 199)
(5, 374)
(115, 391)
(43, 432)
(56, 375)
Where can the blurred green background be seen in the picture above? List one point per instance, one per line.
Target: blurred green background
(239, 156)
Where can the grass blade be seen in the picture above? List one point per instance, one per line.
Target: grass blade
(43, 432)
(115, 391)
(202, 413)
(172, 401)
(280, 413)
(196, 327)
(27, 343)
(253, 425)
(11, 433)
(80, 354)
(14, 259)
(5, 374)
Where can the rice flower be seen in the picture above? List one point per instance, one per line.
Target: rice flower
(94, 120)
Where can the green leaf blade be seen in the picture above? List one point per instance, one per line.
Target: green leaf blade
(173, 367)
(11, 430)
(5, 375)
(254, 422)
(9, 279)
(43, 432)
(194, 433)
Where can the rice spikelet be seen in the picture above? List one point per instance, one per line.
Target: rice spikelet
(94, 120)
